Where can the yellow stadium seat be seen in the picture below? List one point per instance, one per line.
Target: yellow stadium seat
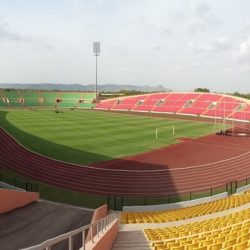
(161, 248)
(188, 212)
(243, 238)
(158, 244)
(173, 245)
(178, 248)
(232, 236)
(201, 248)
(192, 246)
(207, 242)
(220, 239)
(229, 243)
(229, 232)
(227, 248)
(216, 246)
(241, 246)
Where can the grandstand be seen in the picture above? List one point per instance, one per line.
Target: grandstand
(127, 103)
(31, 98)
(87, 100)
(12, 98)
(188, 212)
(226, 232)
(194, 104)
(46, 99)
(244, 114)
(220, 224)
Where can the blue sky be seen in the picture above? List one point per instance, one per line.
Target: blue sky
(181, 44)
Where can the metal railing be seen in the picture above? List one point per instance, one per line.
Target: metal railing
(89, 233)
(116, 202)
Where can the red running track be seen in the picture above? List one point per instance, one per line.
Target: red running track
(161, 172)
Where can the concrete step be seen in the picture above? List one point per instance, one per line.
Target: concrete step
(134, 240)
(132, 248)
(131, 244)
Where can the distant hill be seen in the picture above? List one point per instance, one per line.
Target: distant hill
(80, 87)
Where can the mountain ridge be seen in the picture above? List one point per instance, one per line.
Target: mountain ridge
(81, 87)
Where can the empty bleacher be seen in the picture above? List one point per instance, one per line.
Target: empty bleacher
(201, 104)
(244, 114)
(31, 98)
(3, 101)
(106, 105)
(227, 232)
(146, 105)
(127, 103)
(224, 108)
(186, 213)
(49, 98)
(196, 104)
(217, 225)
(87, 100)
(170, 104)
(13, 98)
(45, 99)
(68, 99)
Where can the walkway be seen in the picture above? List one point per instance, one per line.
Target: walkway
(37, 222)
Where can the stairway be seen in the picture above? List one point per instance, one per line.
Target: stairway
(134, 240)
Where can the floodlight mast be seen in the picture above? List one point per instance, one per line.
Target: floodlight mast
(96, 50)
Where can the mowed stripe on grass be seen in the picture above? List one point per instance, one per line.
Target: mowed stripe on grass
(87, 136)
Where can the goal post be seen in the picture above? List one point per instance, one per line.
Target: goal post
(170, 130)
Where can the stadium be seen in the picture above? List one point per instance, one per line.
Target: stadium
(124, 125)
(166, 170)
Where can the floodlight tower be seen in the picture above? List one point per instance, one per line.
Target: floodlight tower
(96, 50)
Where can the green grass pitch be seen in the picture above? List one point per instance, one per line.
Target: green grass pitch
(87, 136)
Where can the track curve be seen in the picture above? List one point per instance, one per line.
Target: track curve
(137, 182)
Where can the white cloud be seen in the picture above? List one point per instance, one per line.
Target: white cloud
(127, 69)
(118, 50)
(244, 27)
(157, 47)
(218, 44)
(154, 25)
(143, 20)
(228, 70)
(244, 54)
(195, 26)
(42, 43)
(221, 43)
(199, 48)
(201, 17)
(201, 10)
(7, 34)
(245, 68)
(162, 28)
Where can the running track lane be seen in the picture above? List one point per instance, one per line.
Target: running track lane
(101, 181)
